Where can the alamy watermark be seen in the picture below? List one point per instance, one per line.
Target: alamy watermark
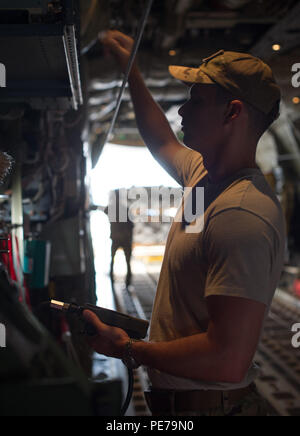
(296, 76)
(2, 76)
(138, 205)
(2, 336)
(296, 337)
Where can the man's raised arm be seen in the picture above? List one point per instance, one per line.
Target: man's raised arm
(152, 122)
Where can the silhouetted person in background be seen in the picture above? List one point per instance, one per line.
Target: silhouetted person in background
(121, 234)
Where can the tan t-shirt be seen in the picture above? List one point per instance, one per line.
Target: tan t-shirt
(239, 251)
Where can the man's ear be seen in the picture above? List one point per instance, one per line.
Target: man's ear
(233, 110)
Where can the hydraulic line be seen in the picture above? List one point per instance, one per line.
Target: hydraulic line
(130, 65)
(129, 392)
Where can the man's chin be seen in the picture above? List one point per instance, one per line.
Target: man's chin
(191, 145)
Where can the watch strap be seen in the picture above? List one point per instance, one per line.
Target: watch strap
(128, 358)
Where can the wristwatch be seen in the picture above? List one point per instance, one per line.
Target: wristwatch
(128, 358)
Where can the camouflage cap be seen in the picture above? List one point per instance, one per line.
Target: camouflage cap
(243, 75)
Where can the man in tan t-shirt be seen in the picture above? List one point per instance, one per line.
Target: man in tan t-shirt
(216, 283)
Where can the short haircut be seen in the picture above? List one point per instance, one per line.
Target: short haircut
(259, 121)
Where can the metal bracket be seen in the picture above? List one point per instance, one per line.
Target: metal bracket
(70, 46)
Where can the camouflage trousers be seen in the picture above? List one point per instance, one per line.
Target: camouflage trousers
(251, 405)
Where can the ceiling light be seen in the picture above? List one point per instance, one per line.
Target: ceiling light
(276, 47)
(296, 100)
(172, 53)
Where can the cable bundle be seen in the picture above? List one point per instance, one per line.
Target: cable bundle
(5, 165)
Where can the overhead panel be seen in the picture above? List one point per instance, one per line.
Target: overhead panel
(44, 68)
